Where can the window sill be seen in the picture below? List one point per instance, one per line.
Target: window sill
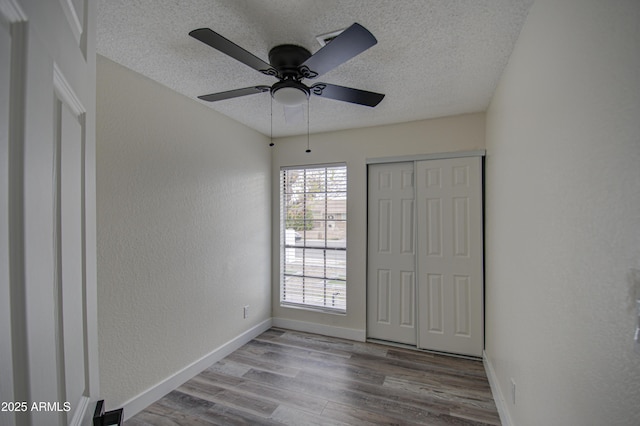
(319, 309)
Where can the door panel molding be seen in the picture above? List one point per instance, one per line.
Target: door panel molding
(74, 17)
(69, 237)
(384, 296)
(66, 94)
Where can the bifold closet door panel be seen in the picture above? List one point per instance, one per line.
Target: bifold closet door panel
(450, 253)
(391, 305)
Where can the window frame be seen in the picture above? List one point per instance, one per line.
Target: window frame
(328, 300)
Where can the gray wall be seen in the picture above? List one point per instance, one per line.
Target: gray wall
(563, 216)
(184, 229)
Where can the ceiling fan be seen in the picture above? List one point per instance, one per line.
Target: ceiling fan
(290, 64)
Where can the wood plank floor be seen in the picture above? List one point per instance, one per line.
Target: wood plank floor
(285, 377)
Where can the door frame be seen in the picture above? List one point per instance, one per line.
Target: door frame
(12, 323)
(421, 157)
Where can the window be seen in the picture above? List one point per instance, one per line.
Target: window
(313, 237)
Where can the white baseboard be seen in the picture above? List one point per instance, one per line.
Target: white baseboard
(151, 395)
(498, 396)
(325, 330)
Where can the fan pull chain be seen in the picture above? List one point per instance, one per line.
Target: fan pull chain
(271, 133)
(308, 148)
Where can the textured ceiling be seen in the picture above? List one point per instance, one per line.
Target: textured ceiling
(433, 58)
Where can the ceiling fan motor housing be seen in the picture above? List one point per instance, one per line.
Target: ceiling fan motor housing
(287, 59)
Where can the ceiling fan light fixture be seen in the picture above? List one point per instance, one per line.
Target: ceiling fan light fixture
(290, 93)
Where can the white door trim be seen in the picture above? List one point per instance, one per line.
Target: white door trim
(420, 157)
(13, 323)
(12, 12)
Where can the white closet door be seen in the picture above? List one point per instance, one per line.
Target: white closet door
(450, 274)
(391, 291)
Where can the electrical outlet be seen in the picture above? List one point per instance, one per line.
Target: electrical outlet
(513, 391)
(245, 311)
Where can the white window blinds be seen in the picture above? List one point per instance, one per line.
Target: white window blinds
(313, 237)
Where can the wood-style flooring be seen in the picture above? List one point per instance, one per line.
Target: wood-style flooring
(285, 377)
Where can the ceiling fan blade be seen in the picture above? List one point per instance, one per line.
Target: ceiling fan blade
(347, 94)
(351, 42)
(220, 43)
(234, 93)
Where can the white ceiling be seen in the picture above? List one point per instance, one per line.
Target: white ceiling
(433, 58)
